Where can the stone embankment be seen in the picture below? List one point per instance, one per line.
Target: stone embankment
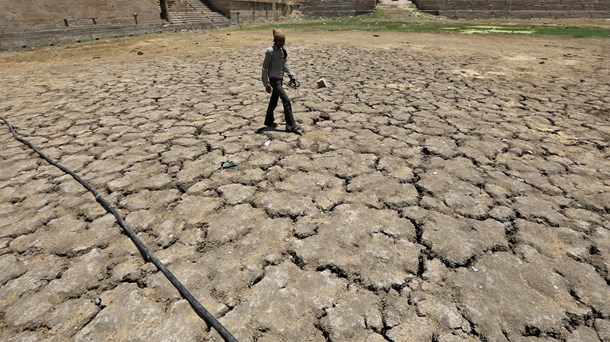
(440, 191)
(327, 8)
(29, 23)
(523, 9)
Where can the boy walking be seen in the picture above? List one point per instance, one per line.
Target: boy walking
(274, 66)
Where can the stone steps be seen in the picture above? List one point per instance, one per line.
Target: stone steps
(394, 4)
(187, 17)
(194, 12)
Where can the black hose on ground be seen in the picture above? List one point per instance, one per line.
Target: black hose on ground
(294, 84)
(146, 253)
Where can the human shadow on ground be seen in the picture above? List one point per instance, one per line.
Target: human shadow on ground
(275, 129)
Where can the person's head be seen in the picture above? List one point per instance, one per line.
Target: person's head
(279, 37)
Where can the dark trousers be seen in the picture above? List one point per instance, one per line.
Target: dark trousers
(279, 93)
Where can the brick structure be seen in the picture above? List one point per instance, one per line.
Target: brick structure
(43, 22)
(36, 22)
(516, 8)
(36, 15)
(328, 8)
(240, 11)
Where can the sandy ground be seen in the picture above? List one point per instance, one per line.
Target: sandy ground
(521, 55)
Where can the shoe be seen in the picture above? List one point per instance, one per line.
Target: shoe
(293, 129)
(273, 125)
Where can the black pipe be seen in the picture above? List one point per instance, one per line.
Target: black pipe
(146, 253)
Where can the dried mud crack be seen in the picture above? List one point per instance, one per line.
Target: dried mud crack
(446, 188)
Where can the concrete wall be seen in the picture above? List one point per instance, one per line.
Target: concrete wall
(516, 8)
(327, 8)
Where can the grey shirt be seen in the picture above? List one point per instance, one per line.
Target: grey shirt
(274, 65)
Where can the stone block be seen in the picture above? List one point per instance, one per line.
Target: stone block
(599, 6)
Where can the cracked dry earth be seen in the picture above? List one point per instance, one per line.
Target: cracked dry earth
(446, 188)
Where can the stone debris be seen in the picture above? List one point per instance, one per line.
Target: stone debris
(322, 83)
(228, 164)
(436, 196)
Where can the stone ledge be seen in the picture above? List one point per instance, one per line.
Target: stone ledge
(524, 9)
(521, 14)
(17, 40)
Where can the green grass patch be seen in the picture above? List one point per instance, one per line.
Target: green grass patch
(413, 21)
(572, 31)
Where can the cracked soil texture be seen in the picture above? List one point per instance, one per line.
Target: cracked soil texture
(446, 188)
